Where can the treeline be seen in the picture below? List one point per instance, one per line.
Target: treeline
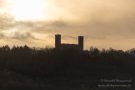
(49, 62)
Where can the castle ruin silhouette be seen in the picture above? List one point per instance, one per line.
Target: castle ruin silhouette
(59, 45)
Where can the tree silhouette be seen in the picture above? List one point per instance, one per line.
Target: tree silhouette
(69, 63)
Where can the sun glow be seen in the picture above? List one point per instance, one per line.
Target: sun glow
(29, 9)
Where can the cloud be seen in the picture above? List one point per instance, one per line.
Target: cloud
(104, 23)
(6, 21)
(2, 3)
(22, 36)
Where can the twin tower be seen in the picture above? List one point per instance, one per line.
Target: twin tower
(59, 45)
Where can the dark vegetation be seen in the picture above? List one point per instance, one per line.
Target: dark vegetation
(37, 69)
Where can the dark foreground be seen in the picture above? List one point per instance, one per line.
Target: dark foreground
(49, 69)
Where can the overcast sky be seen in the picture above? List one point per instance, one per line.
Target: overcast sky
(104, 23)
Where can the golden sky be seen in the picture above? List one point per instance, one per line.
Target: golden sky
(104, 23)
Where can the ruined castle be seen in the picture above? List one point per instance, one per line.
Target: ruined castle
(59, 45)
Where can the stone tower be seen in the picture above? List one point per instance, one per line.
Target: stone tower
(80, 42)
(57, 41)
